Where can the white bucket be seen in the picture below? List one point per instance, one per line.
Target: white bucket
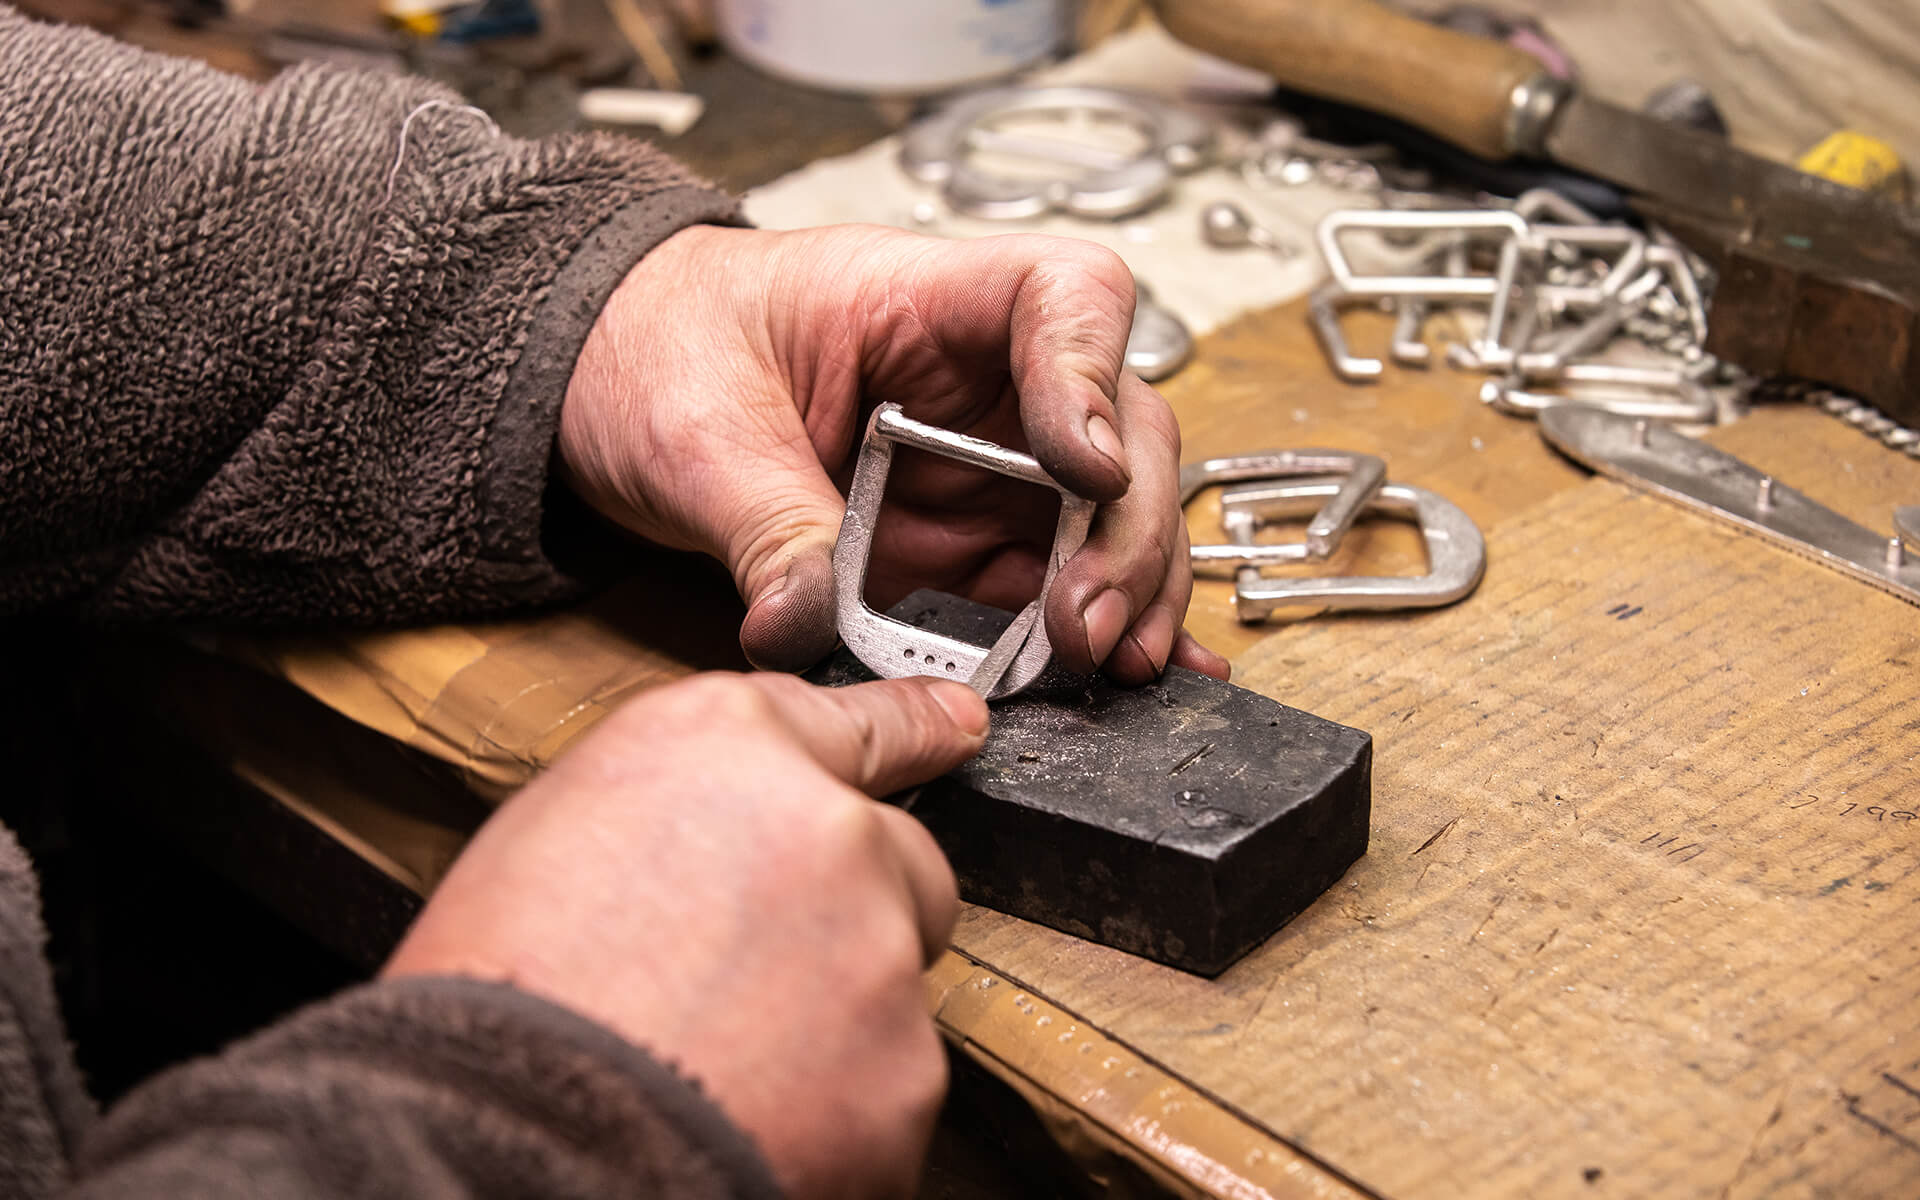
(902, 47)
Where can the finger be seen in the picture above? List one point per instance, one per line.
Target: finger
(1189, 653)
(929, 878)
(1142, 651)
(774, 527)
(789, 624)
(883, 736)
(1060, 311)
(1130, 552)
(1068, 352)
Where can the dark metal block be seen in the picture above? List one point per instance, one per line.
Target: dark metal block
(1184, 821)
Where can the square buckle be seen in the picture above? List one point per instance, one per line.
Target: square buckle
(893, 649)
(1456, 553)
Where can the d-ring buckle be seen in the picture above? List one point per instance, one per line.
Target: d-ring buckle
(1362, 475)
(1456, 553)
(893, 649)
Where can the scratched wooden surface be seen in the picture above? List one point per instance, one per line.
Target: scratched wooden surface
(1639, 915)
(1637, 918)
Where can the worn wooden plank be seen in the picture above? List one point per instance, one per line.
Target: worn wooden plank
(1640, 907)
(1100, 1099)
(1737, 1018)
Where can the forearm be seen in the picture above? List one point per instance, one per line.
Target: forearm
(260, 361)
(422, 1087)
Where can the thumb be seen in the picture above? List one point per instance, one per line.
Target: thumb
(883, 736)
(777, 540)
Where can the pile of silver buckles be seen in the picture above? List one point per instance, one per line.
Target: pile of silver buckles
(1337, 487)
(1556, 286)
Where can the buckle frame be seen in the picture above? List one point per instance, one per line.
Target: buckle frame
(1361, 477)
(893, 649)
(1456, 552)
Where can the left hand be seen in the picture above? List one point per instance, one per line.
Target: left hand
(705, 875)
(724, 387)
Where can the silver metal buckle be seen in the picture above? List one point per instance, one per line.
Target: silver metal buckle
(894, 649)
(1159, 342)
(1089, 182)
(1562, 288)
(1711, 481)
(1456, 553)
(1362, 475)
(1493, 223)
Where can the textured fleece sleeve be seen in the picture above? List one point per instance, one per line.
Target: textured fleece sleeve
(421, 1088)
(44, 1110)
(265, 360)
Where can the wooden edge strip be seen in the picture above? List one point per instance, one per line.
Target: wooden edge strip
(1098, 1098)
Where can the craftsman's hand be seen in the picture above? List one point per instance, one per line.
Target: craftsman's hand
(705, 875)
(727, 381)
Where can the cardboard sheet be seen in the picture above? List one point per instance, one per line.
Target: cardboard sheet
(499, 701)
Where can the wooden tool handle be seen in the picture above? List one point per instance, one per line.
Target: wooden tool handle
(1454, 86)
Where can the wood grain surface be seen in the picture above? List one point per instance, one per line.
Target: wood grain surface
(1638, 917)
(1639, 914)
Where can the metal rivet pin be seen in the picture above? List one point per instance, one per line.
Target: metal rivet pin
(1896, 552)
(1640, 429)
(1764, 501)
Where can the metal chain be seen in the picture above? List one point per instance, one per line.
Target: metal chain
(1851, 409)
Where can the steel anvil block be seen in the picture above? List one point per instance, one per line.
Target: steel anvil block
(1184, 821)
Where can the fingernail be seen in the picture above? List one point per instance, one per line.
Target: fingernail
(1153, 634)
(1106, 617)
(1106, 440)
(1220, 664)
(963, 704)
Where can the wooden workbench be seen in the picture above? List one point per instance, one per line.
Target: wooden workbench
(1638, 917)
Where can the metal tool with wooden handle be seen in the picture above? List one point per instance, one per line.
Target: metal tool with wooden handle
(1469, 91)
(1818, 280)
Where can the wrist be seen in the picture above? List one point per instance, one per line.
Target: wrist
(604, 408)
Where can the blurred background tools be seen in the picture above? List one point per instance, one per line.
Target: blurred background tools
(1817, 278)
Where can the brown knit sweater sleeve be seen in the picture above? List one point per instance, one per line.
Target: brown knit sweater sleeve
(413, 1089)
(293, 352)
